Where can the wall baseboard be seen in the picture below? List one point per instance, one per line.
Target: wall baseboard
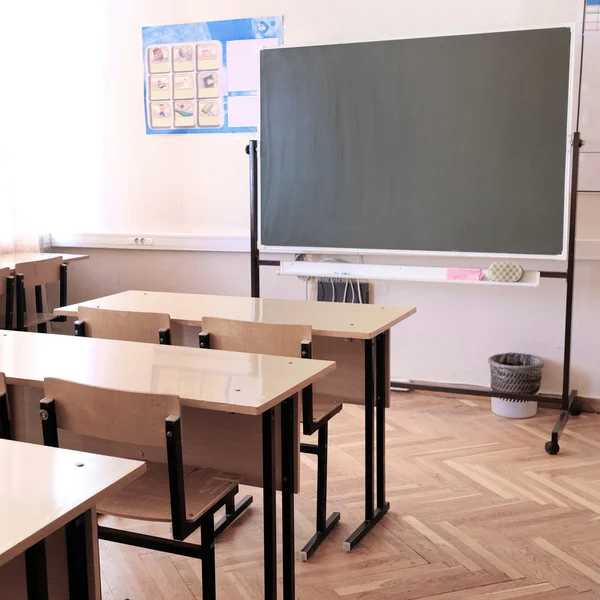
(588, 405)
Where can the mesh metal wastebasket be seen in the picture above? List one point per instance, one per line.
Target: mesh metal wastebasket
(518, 373)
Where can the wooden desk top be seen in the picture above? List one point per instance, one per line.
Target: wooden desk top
(43, 489)
(10, 260)
(358, 321)
(223, 381)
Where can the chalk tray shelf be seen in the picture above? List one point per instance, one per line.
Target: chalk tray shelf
(341, 270)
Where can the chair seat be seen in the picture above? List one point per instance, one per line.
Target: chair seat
(33, 319)
(147, 498)
(325, 406)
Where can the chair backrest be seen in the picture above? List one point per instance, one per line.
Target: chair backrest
(4, 274)
(123, 326)
(256, 338)
(39, 272)
(111, 414)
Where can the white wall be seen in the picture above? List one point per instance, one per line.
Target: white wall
(198, 184)
(449, 339)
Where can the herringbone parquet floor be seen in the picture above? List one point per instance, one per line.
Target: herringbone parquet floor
(479, 510)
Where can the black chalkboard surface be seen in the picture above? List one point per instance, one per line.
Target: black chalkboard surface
(447, 144)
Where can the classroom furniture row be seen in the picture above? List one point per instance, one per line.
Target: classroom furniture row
(217, 338)
(21, 272)
(355, 336)
(238, 336)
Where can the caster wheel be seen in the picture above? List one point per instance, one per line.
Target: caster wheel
(575, 410)
(552, 448)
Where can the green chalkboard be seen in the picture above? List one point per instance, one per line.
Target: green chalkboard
(447, 144)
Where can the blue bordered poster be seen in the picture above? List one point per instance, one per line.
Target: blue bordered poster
(592, 15)
(204, 77)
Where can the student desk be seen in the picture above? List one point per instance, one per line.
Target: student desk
(47, 513)
(229, 405)
(356, 336)
(10, 260)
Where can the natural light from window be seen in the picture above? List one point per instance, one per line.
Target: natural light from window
(51, 105)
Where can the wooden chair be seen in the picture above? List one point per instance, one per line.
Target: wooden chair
(317, 410)
(153, 328)
(186, 497)
(7, 290)
(4, 410)
(36, 274)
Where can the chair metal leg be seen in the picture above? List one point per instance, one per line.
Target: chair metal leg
(63, 285)
(232, 511)
(209, 576)
(10, 300)
(322, 477)
(149, 542)
(324, 525)
(21, 302)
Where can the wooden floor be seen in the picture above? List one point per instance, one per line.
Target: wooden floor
(479, 510)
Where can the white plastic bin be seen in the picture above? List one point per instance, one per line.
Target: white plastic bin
(518, 373)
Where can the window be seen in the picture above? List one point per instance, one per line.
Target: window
(51, 117)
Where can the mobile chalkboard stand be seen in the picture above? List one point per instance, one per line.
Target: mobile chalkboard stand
(567, 401)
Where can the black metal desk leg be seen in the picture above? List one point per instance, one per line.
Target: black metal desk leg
(370, 514)
(39, 308)
(209, 583)
(4, 418)
(381, 387)
(270, 523)
(35, 567)
(288, 461)
(369, 439)
(77, 558)
(233, 510)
